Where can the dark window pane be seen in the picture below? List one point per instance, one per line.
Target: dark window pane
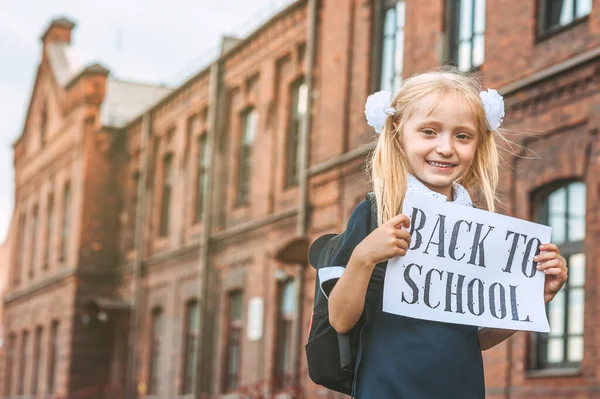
(36, 360)
(52, 357)
(49, 230)
(190, 347)
(232, 359)
(23, 361)
(10, 363)
(66, 218)
(165, 207)
(153, 375)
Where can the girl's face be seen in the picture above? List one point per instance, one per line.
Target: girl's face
(440, 145)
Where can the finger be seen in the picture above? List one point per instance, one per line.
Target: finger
(399, 221)
(401, 244)
(556, 271)
(549, 247)
(554, 263)
(400, 251)
(403, 235)
(544, 256)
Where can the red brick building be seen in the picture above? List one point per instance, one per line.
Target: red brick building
(194, 209)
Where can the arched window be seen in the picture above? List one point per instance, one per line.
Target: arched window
(563, 209)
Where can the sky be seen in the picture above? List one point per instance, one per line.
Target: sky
(141, 40)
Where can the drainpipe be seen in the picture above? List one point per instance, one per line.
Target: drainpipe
(131, 388)
(303, 163)
(204, 270)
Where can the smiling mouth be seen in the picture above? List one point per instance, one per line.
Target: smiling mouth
(443, 165)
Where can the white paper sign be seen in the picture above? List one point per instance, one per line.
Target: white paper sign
(468, 266)
(255, 318)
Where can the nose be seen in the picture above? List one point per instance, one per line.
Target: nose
(445, 146)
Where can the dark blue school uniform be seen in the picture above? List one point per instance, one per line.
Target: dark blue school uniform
(405, 358)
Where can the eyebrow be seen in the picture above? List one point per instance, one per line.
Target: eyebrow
(429, 121)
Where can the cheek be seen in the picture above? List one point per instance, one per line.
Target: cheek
(467, 154)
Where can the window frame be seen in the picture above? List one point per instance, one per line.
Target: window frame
(454, 35)
(37, 356)
(166, 194)
(53, 346)
(191, 336)
(10, 362)
(24, 354)
(296, 122)
(44, 126)
(154, 350)
(543, 28)
(384, 6)
(49, 231)
(245, 146)
(538, 362)
(33, 245)
(284, 335)
(233, 340)
(201, 176)
(66, 221)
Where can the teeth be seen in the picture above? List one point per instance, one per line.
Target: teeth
(441, 165)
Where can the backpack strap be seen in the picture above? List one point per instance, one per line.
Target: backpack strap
(376, 282)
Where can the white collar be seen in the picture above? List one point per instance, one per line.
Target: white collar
(461, 195)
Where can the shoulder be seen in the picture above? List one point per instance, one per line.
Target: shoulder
(362, 210)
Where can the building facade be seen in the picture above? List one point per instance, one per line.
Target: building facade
(159, 246)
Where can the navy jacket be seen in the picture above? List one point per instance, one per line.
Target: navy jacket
(405, 358)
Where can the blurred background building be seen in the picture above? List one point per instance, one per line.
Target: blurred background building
(159, 240)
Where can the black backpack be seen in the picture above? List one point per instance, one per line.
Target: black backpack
(331, 357)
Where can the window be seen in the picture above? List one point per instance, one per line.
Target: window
(165, 203)
(10, 364)
(249, 124)
(37, 351)
(49, 230)
(392, 49)
(564, 210)
(467, 33)
(231, 375)
(33, 242)
(193, 123)
(297, 114)
(43, 127)
(132, 220)
(23, 365)
(286, 309)
(66, 222)
(52, 357)
(556, 13)
(201, 178)
(190, 346)
(20, 263)
(155, 333)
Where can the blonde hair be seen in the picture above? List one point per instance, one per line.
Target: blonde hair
(389, 164)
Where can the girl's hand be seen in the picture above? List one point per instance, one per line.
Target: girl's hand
(385, 242)
(554, 267)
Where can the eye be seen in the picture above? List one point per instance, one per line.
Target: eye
(463, 136)
(429, 132)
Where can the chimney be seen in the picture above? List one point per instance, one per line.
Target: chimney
(58, 31)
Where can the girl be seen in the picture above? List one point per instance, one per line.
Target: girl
(437, 138)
